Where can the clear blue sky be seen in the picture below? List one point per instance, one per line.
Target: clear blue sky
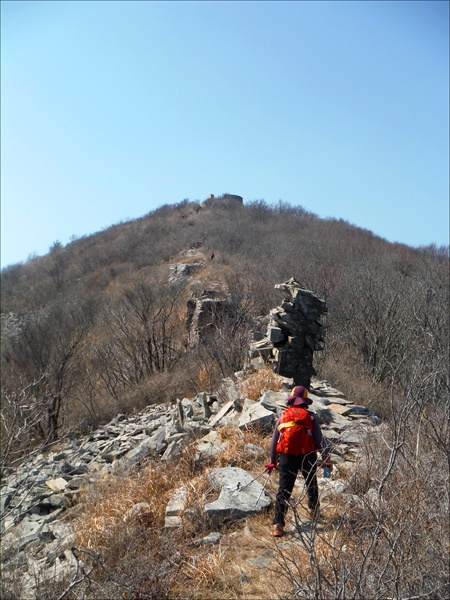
(111, 109)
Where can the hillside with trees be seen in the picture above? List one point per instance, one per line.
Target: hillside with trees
(98, 327)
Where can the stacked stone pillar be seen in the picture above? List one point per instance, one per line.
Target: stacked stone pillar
(294, 333)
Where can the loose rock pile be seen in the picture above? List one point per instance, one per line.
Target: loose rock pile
(43, 488)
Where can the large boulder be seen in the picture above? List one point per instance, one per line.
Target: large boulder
(239, 495)
(255, 415)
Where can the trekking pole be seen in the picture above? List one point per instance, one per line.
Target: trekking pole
(263, 488)
(239, 488)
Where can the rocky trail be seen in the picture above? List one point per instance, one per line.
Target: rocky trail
(38, 497)
(36, 538)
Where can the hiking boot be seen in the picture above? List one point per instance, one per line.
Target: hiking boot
(278, 530)
(313, 515)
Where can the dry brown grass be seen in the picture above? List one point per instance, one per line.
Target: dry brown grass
(349, 542)
(105, 509)
(262, 379)
(203, 380)
(128, 545)
(236, 455)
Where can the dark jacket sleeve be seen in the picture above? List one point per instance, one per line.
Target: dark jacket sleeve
(322, 444)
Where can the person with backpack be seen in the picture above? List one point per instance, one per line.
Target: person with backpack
(295, 442)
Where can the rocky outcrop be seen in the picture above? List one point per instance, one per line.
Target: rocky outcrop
(294, 333)
(191, 260)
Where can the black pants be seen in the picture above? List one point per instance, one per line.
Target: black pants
(288, 468)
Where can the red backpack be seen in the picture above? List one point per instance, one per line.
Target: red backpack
(296, 432)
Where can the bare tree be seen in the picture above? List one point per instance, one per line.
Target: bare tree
(143, 335)
(46, 356)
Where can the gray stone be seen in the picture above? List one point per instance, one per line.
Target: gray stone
(275, 334)
(239, 497)
(222, 412)
(172, 450)
(356, 409)
(372, 496)
(202, 400)
(177, 503)
(353, 437)
(330, 434)
(54, 515)
(173, 522)
(179, 271)
(57, 485)
(60, 456)
(150, 444)
(26, 532)
(338, 421)
(255, 415)
(330, 487)
(212, 538)
(274, 401)
(188, 408)
(210, 445)
(180, 412)
(46, 534)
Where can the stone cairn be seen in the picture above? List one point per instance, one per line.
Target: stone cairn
(293, 334)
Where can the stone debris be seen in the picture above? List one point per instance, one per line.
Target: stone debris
(212, 538)
(255, 415)
(44, 487)
(36, 495)
(175, 509)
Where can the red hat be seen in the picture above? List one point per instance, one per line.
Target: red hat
(299, 396)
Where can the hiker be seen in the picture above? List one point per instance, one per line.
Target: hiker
(295, 442)
(211, 255)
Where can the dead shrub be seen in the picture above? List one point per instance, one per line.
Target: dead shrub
(262, 379)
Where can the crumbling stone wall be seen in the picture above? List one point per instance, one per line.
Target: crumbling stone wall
(294, 332)
(202, 314)
(224, 199)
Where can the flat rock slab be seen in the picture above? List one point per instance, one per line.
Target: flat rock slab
(239, 494)
(353, 437)
(256, 415)
(274, 401)
(222, 412)
(356, 409)
(342, 409)
(177, 503)
(210, 445)
(57, 485)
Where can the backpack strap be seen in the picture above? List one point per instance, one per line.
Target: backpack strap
(287, 424)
